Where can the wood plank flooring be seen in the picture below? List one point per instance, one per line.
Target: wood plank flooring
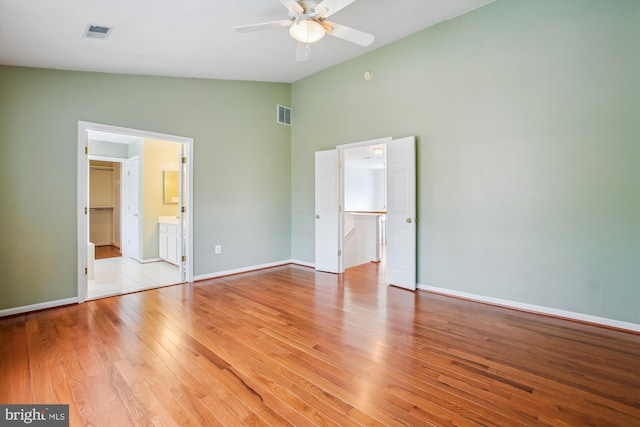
(291, 346)
(107, 251)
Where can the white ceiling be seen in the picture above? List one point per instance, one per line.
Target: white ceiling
(195, 38)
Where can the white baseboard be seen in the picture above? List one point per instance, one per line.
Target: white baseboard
(240, 270)
(39, 306)
(534, 308)
(302, 263)
(148, 260)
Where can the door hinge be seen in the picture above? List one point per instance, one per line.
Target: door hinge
(339, 208)
(184, 160)
(85, 210)
(184, 258)
(86, 150)
(339, 163)
(86, 271)
(183, 209)
(339, 252)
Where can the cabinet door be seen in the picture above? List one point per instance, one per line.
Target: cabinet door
(172, 244)
(164, 244)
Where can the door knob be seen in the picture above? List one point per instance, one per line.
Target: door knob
(317, 216)
(408, 220)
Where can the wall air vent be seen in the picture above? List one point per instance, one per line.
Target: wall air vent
(284, 115)
(97, 31)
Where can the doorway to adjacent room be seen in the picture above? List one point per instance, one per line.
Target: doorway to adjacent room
(135, 171)
(389, 214)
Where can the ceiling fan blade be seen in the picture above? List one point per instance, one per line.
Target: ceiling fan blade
(303, 52)
(349, 34)
(332, 6)
(262, 26)
(293, 6)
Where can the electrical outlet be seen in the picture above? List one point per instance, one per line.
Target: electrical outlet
(218, 249)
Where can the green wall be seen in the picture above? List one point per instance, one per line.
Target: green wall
(527, 118)
(241, 168)
(526, 115)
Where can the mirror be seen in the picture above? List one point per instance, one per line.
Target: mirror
(170, 186)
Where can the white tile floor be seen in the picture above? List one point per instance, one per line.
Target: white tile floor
(115, 276)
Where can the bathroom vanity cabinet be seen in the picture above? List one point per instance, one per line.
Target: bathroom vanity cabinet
(169, 239)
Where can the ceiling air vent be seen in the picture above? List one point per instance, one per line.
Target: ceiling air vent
(284, 115)
(97, 31)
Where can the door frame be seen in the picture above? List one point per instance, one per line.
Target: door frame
(341, 149)
(82, 193)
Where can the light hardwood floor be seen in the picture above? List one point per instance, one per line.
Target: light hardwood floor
(290, 346)
(107, 251)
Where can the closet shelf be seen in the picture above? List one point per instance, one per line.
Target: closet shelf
(100, 208)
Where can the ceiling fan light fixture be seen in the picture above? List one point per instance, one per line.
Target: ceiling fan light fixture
(307, 31)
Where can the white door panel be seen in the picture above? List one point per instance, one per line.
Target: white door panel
(327, 203)
(401, 213)
(130, 242)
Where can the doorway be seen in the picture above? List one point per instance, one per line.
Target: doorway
(365, 205)
(104, 214)
(142, 212)
(113, 258)
(400, 212)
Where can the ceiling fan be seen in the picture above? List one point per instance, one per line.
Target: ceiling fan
(307, 24)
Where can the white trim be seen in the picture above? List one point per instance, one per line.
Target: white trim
(302, 263)
(377, 141)
(534, 308)
(108, 159)
(149, 260)
(82, 223)
(242, 270)
(83, 142)
(135, 132)
(38, 306)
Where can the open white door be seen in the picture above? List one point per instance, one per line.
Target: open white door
(131, 212)
(328, 222)
(401, 213)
